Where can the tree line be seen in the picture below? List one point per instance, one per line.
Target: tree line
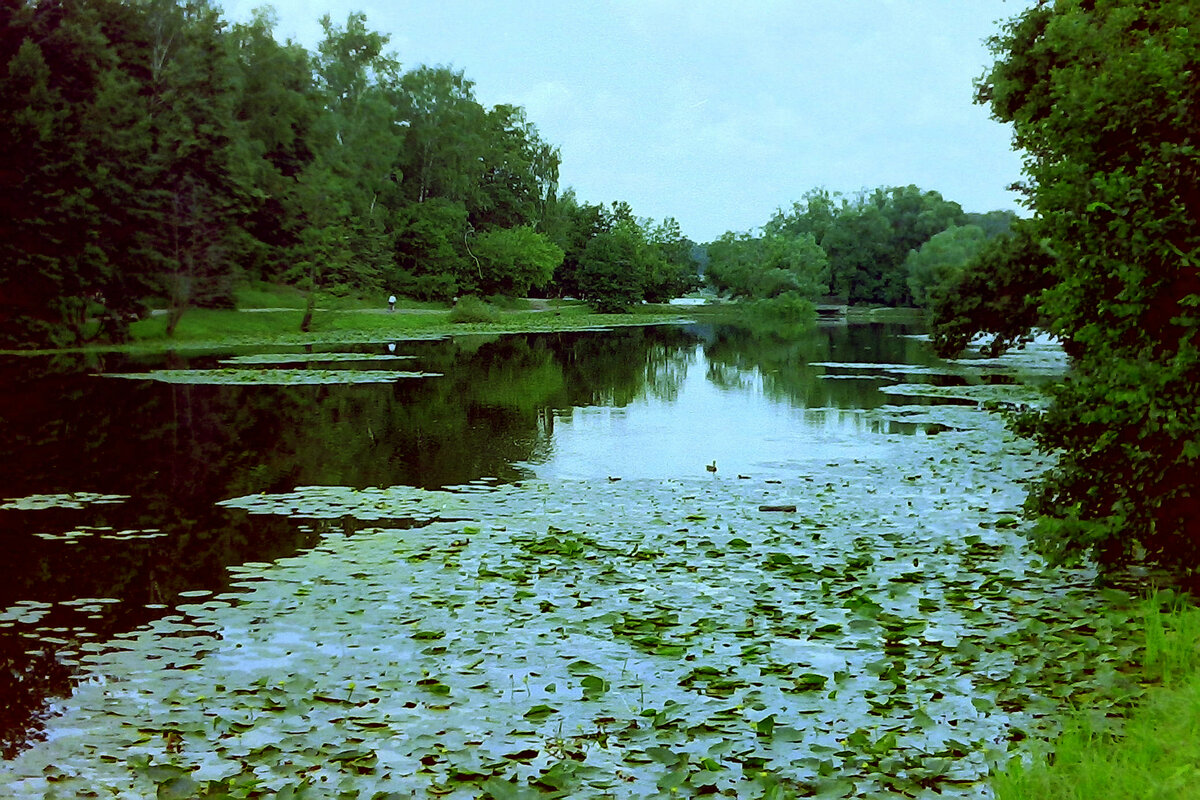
(892, 246)
(157, 151)
(153, 149)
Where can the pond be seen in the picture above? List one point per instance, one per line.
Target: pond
(142, 496)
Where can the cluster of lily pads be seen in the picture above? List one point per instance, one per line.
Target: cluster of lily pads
(271, 377)
(80, 532)
(37, 502)
(867, 627)
(304, 358)
(60, 626)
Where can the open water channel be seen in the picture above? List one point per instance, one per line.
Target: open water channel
(111, 488)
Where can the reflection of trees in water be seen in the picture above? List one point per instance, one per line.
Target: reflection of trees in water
(28, 675)
(37, 660)
(178, 449)
(615, 368)
(783, 359)
(740, 356)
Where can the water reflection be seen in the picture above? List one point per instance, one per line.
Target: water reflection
(751, 400)
(657, 401)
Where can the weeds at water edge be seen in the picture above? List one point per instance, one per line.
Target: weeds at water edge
(1153, 753)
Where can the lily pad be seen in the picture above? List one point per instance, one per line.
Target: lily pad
(271, 377)
(305, 358)
(37, 502)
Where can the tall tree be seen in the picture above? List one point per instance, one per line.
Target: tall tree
(519, 172)
(62, 89)
(571, 224)
(345, 192)
(200, 187)
(860, 250)
(674, 271)
(512, 260)
(278, 107)
(814, 214)
(769, 266)
(613, 268)
(1104, 102)
(443, 134)
(998, 293)
(433, 259)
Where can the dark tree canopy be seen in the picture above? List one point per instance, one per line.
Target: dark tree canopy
(997, 293)
(1104, 102)
(154, 153)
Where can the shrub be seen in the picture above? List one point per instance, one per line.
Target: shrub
(472, 309)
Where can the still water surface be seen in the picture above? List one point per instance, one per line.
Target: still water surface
(630, 403)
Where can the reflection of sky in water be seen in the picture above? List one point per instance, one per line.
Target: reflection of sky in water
(743, 429)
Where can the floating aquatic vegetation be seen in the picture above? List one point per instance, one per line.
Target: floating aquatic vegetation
(867, 627)
(102, 532)
(1040, 357)
(301, 358)
(979, 393)
(35, 502)
(867, 366)
(369, 504)
(939, 416)
(272, 377)
(24, 612)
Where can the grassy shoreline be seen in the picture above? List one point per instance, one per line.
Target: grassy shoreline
(269, 314)
(1153, 751)
(207, 328)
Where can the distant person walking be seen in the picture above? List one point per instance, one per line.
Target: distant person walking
(391, 302)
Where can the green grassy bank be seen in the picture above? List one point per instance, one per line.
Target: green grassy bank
(1154, 752)
(272, 314)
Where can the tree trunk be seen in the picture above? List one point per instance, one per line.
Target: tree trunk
(309, 307)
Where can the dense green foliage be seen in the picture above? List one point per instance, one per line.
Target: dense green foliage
(864, 249)
(867, 238)
(940, 260)
(996, 292)
(155, 151)
(614, 260)
(1104, 101)
(768, 266)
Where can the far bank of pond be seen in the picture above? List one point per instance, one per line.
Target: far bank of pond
(501, 558)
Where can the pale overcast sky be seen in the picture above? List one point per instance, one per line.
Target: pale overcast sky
(719, 112)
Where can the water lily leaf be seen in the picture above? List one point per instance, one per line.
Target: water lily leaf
(294, 358)
(501, 789)
(540, 711)
(765, 726)
(594, 686)
(581, 667)
(665, 755)
(673, 779)
(270, 377)
(76, 500)
(561, 776)
(178, 788)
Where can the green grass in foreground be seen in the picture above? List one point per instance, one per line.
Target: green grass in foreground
(1155, 751)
